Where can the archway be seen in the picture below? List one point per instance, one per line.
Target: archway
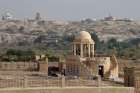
(52, 71)
(101, 70)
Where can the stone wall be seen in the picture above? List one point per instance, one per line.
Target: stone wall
(18, 66)
(43, 67)
(72, 90)
(129, 77)
(132, 78)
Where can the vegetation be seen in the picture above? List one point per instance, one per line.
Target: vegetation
(97, 41)
(18, 55)
(126, 49)
(129, 49)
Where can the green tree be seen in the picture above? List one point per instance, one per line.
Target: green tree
(112, 43)
(94, 36)
(20, 55)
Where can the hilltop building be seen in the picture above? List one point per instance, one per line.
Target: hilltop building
(38, 16)
(7, 16)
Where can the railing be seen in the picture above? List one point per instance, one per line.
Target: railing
(12, 83)
(27, 81)
(36, 79)
(78, 82)
(43, 82)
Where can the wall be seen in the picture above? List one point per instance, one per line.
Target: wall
(43, 67)
(71, 90)
(18, 66)
(132, 78)
(104, 61)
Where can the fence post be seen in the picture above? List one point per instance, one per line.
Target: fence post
(98, 81)
(25, 82)
(63, 81)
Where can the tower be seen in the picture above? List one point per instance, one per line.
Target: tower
(37, 17)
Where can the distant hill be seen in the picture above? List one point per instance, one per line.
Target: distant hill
(16, 32)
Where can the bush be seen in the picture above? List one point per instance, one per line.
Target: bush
(19, 55)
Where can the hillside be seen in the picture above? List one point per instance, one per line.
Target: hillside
(29, 32)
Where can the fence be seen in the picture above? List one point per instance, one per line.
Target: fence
(26, 81)
(17, 79)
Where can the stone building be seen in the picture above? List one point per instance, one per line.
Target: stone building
(84, 62)
(132, 78)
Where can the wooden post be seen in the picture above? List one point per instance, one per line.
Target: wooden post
(63, 81)
(25, 82)
(98, 81)
(81, 52)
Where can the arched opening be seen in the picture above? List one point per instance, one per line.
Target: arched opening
(101, 70)
(53, 71)
(78, 49)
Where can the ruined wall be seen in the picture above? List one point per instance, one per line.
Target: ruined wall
(114, 66)
(18, 66)
(72, 65)
(43, 67)
(129, 77)
(106, 63)
(132, 78)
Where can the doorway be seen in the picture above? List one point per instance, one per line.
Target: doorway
(101, 71)
(53, 71)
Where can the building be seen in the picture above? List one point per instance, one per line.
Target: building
(7, 16)
(85, 63)
(110, 18)
(38, 16)
(132, 78)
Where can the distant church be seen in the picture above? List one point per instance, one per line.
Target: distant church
(84, 62)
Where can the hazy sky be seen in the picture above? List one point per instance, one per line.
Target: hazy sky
(72, 9)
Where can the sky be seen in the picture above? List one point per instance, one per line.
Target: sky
(71, 9)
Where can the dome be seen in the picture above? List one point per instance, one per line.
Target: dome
(83, 37)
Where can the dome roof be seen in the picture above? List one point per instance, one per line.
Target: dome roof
(83, 37)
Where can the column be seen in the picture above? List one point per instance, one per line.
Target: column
(81, 54)
(93, 50)
(74, 49)
(63, 81)
(89, 50)
(25, 82)
(98, 84)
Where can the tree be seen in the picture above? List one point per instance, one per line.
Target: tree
(20, 55)
(94, 36)
(112, 43)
